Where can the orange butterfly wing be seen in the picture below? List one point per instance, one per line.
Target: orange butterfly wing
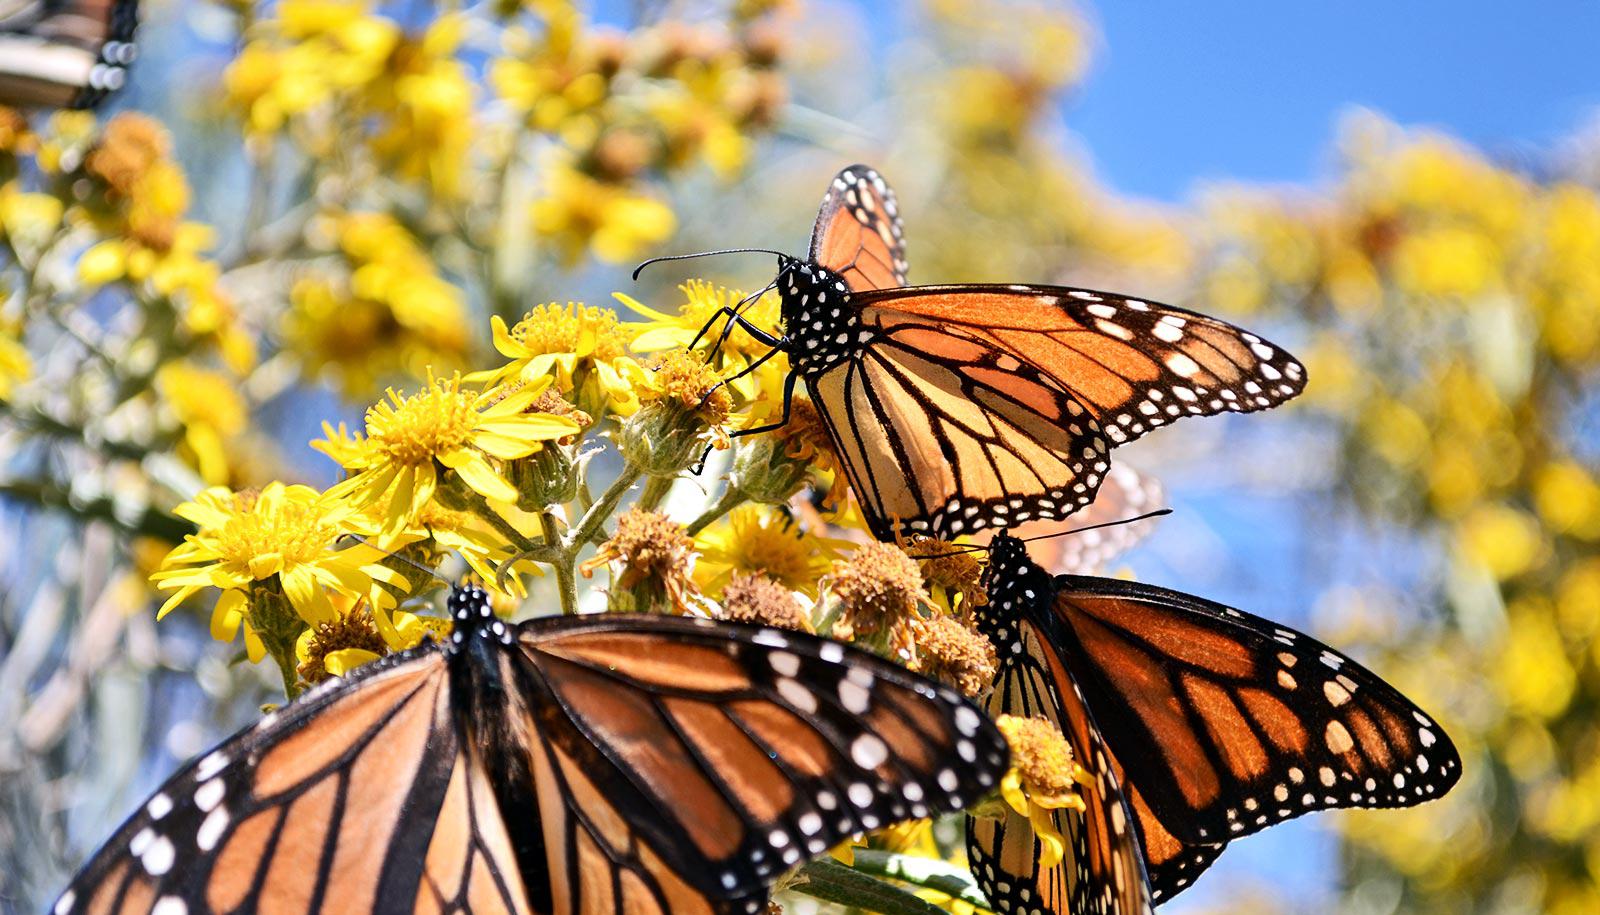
(1102, 872)
(940, 433)
(858, 233)
(1135, 365)
(316, 804)
(751, 753)
(1235, 723)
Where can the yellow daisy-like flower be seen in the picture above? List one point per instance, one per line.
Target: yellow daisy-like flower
(355, 637)
(702, 301)
(211, 411)
(436, 531)
(282, 538)
(756, 539)
(1043, 778)
(584, 349)
(441, 435)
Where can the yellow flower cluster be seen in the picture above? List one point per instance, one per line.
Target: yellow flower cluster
(383, 313)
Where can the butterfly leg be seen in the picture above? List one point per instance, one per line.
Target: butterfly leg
(788, 403)
(734, 318)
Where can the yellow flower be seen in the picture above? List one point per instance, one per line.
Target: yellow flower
(208, 406)
(283, 539)
(584, 349)
(388, 314)
(683, 408)
(442, 434)
(702, 301)
(755, 539)
(1043, 778)
(613, 222)
(15, 363)
(436, 532)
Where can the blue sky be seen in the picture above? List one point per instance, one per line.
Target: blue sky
(1182, 92)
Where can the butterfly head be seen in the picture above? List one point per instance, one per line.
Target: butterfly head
(472, 616)
(819, 325)
(1012, 581)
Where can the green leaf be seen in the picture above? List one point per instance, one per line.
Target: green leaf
(828, 880)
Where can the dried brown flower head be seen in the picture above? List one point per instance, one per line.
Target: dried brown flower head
(954, 653)
(754, 598)
(651, 553)
(351, 630)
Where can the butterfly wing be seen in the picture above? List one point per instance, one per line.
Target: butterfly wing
(1234, 723)
(64, 54)
(1103, 872)
(319, 804)
(1135, 365)
(1124, 493)
(941, 433)
(858, 233)
(694, 761)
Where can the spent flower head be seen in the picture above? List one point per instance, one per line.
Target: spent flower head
(650, 556)
(750, 597)
(874, 596)
(954, 653)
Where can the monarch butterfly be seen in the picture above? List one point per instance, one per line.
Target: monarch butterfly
(573, 765)
(1199, 724)
(1121, 515)
(958, 408)
(65, 53)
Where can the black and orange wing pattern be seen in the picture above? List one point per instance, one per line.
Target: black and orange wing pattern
(327, 802)
(1135, 365)
(578, 766)
(858, 233)
(1235, 723)
(65, 53)
(750, 749)
(941, 434)
(1103, 870)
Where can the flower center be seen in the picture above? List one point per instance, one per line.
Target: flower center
(297, 531)
(571, 328)
(414, 430)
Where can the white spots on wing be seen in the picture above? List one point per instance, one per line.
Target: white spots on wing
(209, 794)
(64, 904)
(832, 652)
(1103, 311)
(771, 638)
(1331, 659)
(1337, 694)
(1281, 792)
(854, 696)
(1113, 329)
(967, 721)
(1399, 780)
(169, 905)
(778, 838)
(1327, 776)
(860, 794)
(869, 751)
(1167, 333)
(1084, 295)
(1286, 680)
(1286, 659)
(211, 829)
(948, 780)
(784, 662)
(1338, 738)
(796, 695)
(1295, 775)
(1181, 364)
(159, 806)
(210, 766)
(1426, 737)
(159, 857)
(810, 824)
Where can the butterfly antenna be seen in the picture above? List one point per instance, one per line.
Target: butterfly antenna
(410, 562)
(956, 549)
(683, 257)
(1094, 527)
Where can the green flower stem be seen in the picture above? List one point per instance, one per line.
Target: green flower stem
(924, 872)
(828, 880)
(590, 524)
(731, 499)
(567, 586)
(655, 490)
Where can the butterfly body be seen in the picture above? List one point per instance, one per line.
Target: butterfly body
(1199, 723)
(820, 327)
(572, 765)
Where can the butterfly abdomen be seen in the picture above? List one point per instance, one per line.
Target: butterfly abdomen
(820, 326)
